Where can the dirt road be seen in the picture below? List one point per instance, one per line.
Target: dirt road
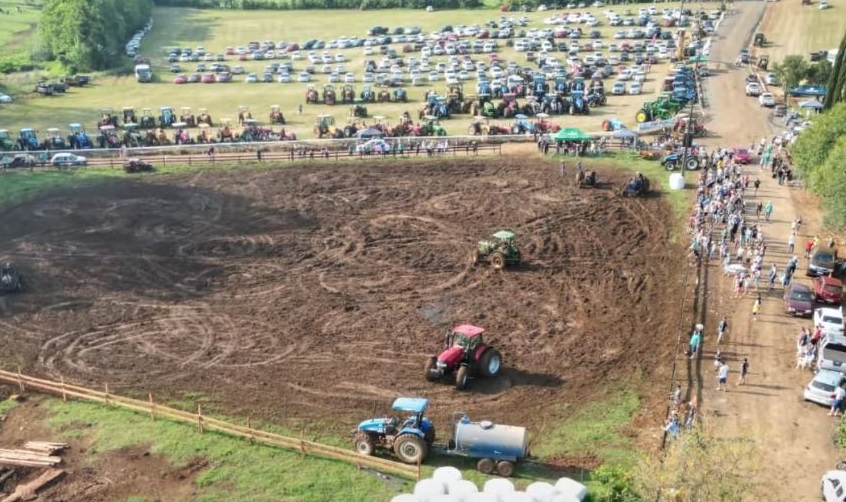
(796, 436)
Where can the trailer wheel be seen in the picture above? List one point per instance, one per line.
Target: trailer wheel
(486, 466)
(363, 444)
(429, 367)
(461, 378)
(505, 469)
(410, 449)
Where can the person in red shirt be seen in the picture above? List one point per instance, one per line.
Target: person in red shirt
(816, 336)
(808, 247)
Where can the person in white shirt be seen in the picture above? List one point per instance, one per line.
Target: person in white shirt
(837, 401)
(722, 376)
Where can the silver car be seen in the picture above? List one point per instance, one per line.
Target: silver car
(821, 388)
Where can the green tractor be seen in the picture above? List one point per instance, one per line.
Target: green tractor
(662, 108)
(148, 120)
(325, 128)
(500, 251)
(760, 40)
(7, 144)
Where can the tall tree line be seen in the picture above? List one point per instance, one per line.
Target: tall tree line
(837, 80)
(87, 35)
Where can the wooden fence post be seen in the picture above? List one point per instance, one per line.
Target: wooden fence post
(152, 406)
(20, 381)
(200, 418)
(64, 395)
(302, 443)
(250, 431)
(107, 394)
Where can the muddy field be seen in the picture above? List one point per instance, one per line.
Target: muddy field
(319, 291)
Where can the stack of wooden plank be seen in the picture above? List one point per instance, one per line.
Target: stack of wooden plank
(36, 454)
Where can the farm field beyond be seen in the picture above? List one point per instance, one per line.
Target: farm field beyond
(318, 292)
(793, 28)
(218, 29)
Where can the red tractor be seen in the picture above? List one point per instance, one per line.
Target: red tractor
(465, 355)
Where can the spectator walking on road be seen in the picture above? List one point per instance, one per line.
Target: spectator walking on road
(809, 245)
(837, 401)
(773, 275)
(768, 210)
(757, 185)
(791, 242)
(744, 370)
(721, 329)
(677, 397)
(722, 376)
(756, 309)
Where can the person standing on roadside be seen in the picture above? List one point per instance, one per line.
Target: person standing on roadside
(721, 329)
(695, 342)
(722, 376)
(791, 242)
(768, 210)
(837, 401)
(677, 397)
(773, 275)
(756, 309)
(744, 370)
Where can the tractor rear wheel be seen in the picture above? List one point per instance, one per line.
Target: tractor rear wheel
(429, 367)
(641, 116)
(505, 468)
(490, 363)
(486, 466)
(692, 164)
(497, 260)
(461, 378)
(363, 444)
(410, 449)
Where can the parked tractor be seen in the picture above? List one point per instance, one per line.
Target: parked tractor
(107, 117)
(636, 187)
(132, 136)
(108, 137)
(311, 95)
(500, 251)
(760, 40)
(325, 128)
(276, 116)
(653, 110)
(410, 440)
(28, 139)
(585, 178)
(400, 95)
(187, 117)
(6, 142)
(166, 116)
(348, 94)
(329, 94)
(10, 280)
(148, 121)
(358, 110)
(129, 115)
(763, 63)
(465, 356)
(54, 140)
(78, 139)
(203, 117)
(672, 162)
(367, 94)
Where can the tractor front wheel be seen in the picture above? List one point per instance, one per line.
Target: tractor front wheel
(497, 261)
(641, 116)
(505, 468)
(486, 466)
(363, 444)
(491, 363)
(670, 166)
(461, 378)
(429, 368)
(410, 449)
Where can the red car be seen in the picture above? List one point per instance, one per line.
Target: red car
(230, 51)
(180, 79)
(208, 78)
(828, 290)
(742, 155)
(799, 300)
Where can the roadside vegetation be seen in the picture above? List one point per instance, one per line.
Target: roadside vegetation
(837, 82)
(820, 154)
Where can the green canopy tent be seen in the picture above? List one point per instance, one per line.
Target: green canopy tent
(698, 59)
(571, 134)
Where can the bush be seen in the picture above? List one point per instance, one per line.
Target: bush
(609, 484)
(15, 63)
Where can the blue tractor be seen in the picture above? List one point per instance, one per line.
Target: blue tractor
(409, 439)
(578, 104)
(539, 85)
(28, 139)
(560, 85)
(166, 116)
(672, 162)
(78, 139)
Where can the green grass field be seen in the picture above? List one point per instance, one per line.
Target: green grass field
(17, 29)
(216, 29)
(793, 28)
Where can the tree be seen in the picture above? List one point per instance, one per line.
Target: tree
(836, 92)
(700, 466)
(820, 72)
(813, 146)
(792, 70)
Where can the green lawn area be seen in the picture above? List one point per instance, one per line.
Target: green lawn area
(17, 28)
(217, 29)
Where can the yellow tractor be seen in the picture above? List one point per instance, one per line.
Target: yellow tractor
(325, 128)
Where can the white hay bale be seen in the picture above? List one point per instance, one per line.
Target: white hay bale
(446, 474)
(571, 488)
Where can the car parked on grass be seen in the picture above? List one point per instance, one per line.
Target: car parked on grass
(19, 160)
(180, 79)
(830, 320)
(821, 388)
(68, 160)
(753, 89)
(828, 290)
(798, 300)
(5, 98)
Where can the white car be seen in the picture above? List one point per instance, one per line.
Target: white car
(830, 319)
(304, 77)
(334, 78)
(349, 78)
(821, 389)
(824, 5)
(767, 99)
(284, 78)
(68, 159)
(771, 79)
(238, 70)
(635, 88)
(434, 76)
(834, 486)
(619, 88)
(753, 89)
(377, 145)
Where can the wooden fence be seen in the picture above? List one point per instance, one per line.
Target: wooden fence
(205, 423)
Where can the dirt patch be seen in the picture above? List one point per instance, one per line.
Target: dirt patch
(318, 292)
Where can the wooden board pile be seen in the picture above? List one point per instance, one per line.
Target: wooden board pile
(34, 454)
